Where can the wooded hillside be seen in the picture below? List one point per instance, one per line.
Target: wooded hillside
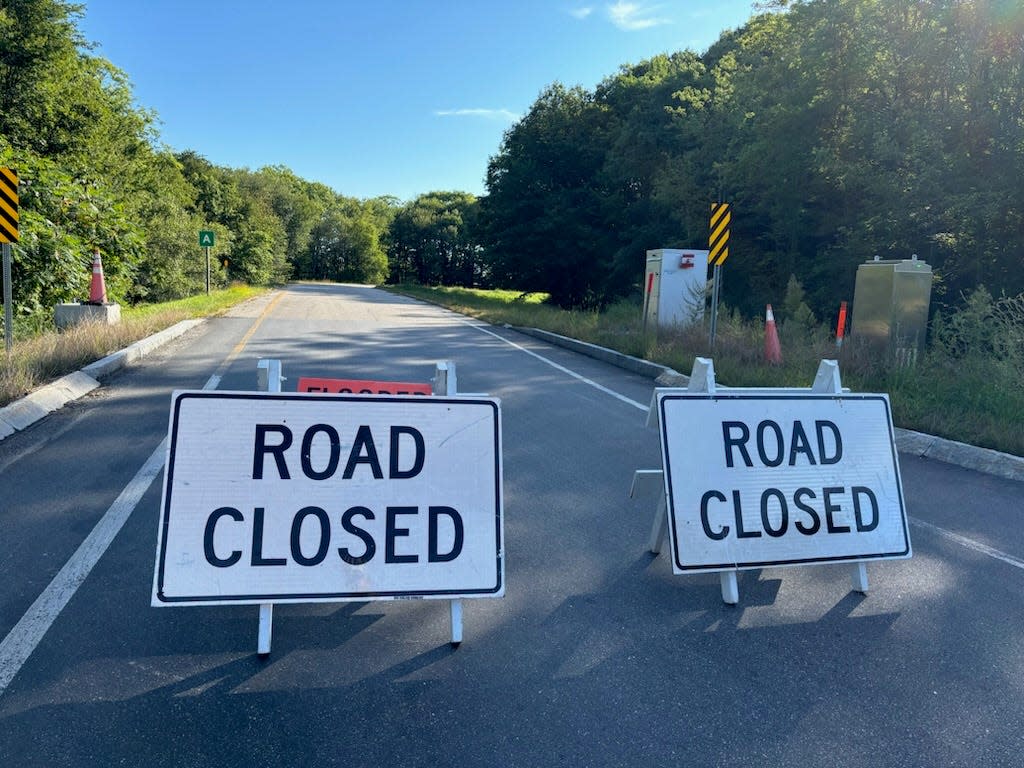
(838, 129)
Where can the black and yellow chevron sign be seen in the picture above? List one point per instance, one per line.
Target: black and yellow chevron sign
(8, 205)
(718, 242)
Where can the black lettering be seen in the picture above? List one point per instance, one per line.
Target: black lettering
(417, 463)
(783, 513)
(830, 508)
(261, 449)
(800, 444)
(370, 547)
(863, 527)
(307, 449)
(837, 442)
(798, 499)
(325, 536)
(737, 508)
(257, 542)
(780, 445)
(433, 556)
(724, 530)
(363, 441)
(211, 525)
(393, 532)
(731, 442)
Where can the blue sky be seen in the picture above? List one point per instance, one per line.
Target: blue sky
(376, 97)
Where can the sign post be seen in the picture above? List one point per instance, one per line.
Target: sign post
(207, 239)
(8, 234)
(776, 477)
(718, 252)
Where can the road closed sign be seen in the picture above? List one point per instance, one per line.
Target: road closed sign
(755, 480)
(315, 498)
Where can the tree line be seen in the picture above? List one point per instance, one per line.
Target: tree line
(838, 130)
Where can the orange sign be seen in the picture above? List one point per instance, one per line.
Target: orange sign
(362, 387)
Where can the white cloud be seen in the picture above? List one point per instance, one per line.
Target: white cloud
(581, 13)
(487, 114)
(634, 16)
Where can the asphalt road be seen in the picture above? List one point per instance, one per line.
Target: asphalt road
(597, 655)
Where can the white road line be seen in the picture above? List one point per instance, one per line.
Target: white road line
(22, 640)
(562, 368)
(963, 541)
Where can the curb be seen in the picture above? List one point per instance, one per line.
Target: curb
(1004, 465)
(38, 404)
(961, 454)
(628, 362)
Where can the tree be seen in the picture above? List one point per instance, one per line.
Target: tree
(541, 219)
(345, 246)
(433, 240)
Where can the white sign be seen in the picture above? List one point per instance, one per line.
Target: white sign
(315, 498)
(755, 480)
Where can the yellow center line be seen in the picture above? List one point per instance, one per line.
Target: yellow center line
(248, 335)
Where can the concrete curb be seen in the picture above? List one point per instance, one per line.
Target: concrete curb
(629, 363)
(985, 460)
(115, 362)
(963, 455)
(36, 405)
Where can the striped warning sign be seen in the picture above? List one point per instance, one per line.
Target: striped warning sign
(8, 205)
(718, 242)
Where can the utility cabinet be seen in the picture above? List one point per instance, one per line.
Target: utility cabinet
(674, 287)
(890, 306)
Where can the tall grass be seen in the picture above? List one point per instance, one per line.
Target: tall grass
(968, 385)
(41, 354)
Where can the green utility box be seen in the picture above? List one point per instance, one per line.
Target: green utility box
(890, 307)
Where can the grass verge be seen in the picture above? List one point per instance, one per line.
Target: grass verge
(40, 355)
(959, 389)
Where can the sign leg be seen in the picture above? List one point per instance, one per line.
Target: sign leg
(456, 612)
(266, 629)
(659, 530)
(446, 383)
(859, 578)
(268, 379)
(730, 588)
(8, 302)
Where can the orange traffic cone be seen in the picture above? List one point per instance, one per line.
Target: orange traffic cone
(98, 290)
(772, 350)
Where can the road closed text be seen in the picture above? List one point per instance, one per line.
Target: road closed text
(833, 510)
(357, 526)
(762, 480)
(330, 497)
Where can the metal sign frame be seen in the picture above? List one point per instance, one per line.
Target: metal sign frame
(826, 386)
(831, 469)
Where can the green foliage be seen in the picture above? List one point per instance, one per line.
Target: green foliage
(433, 240)
(542, 217)
(839, 129)
(345, 246)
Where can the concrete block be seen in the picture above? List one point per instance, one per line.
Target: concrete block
(23, 413)
(67, 315)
